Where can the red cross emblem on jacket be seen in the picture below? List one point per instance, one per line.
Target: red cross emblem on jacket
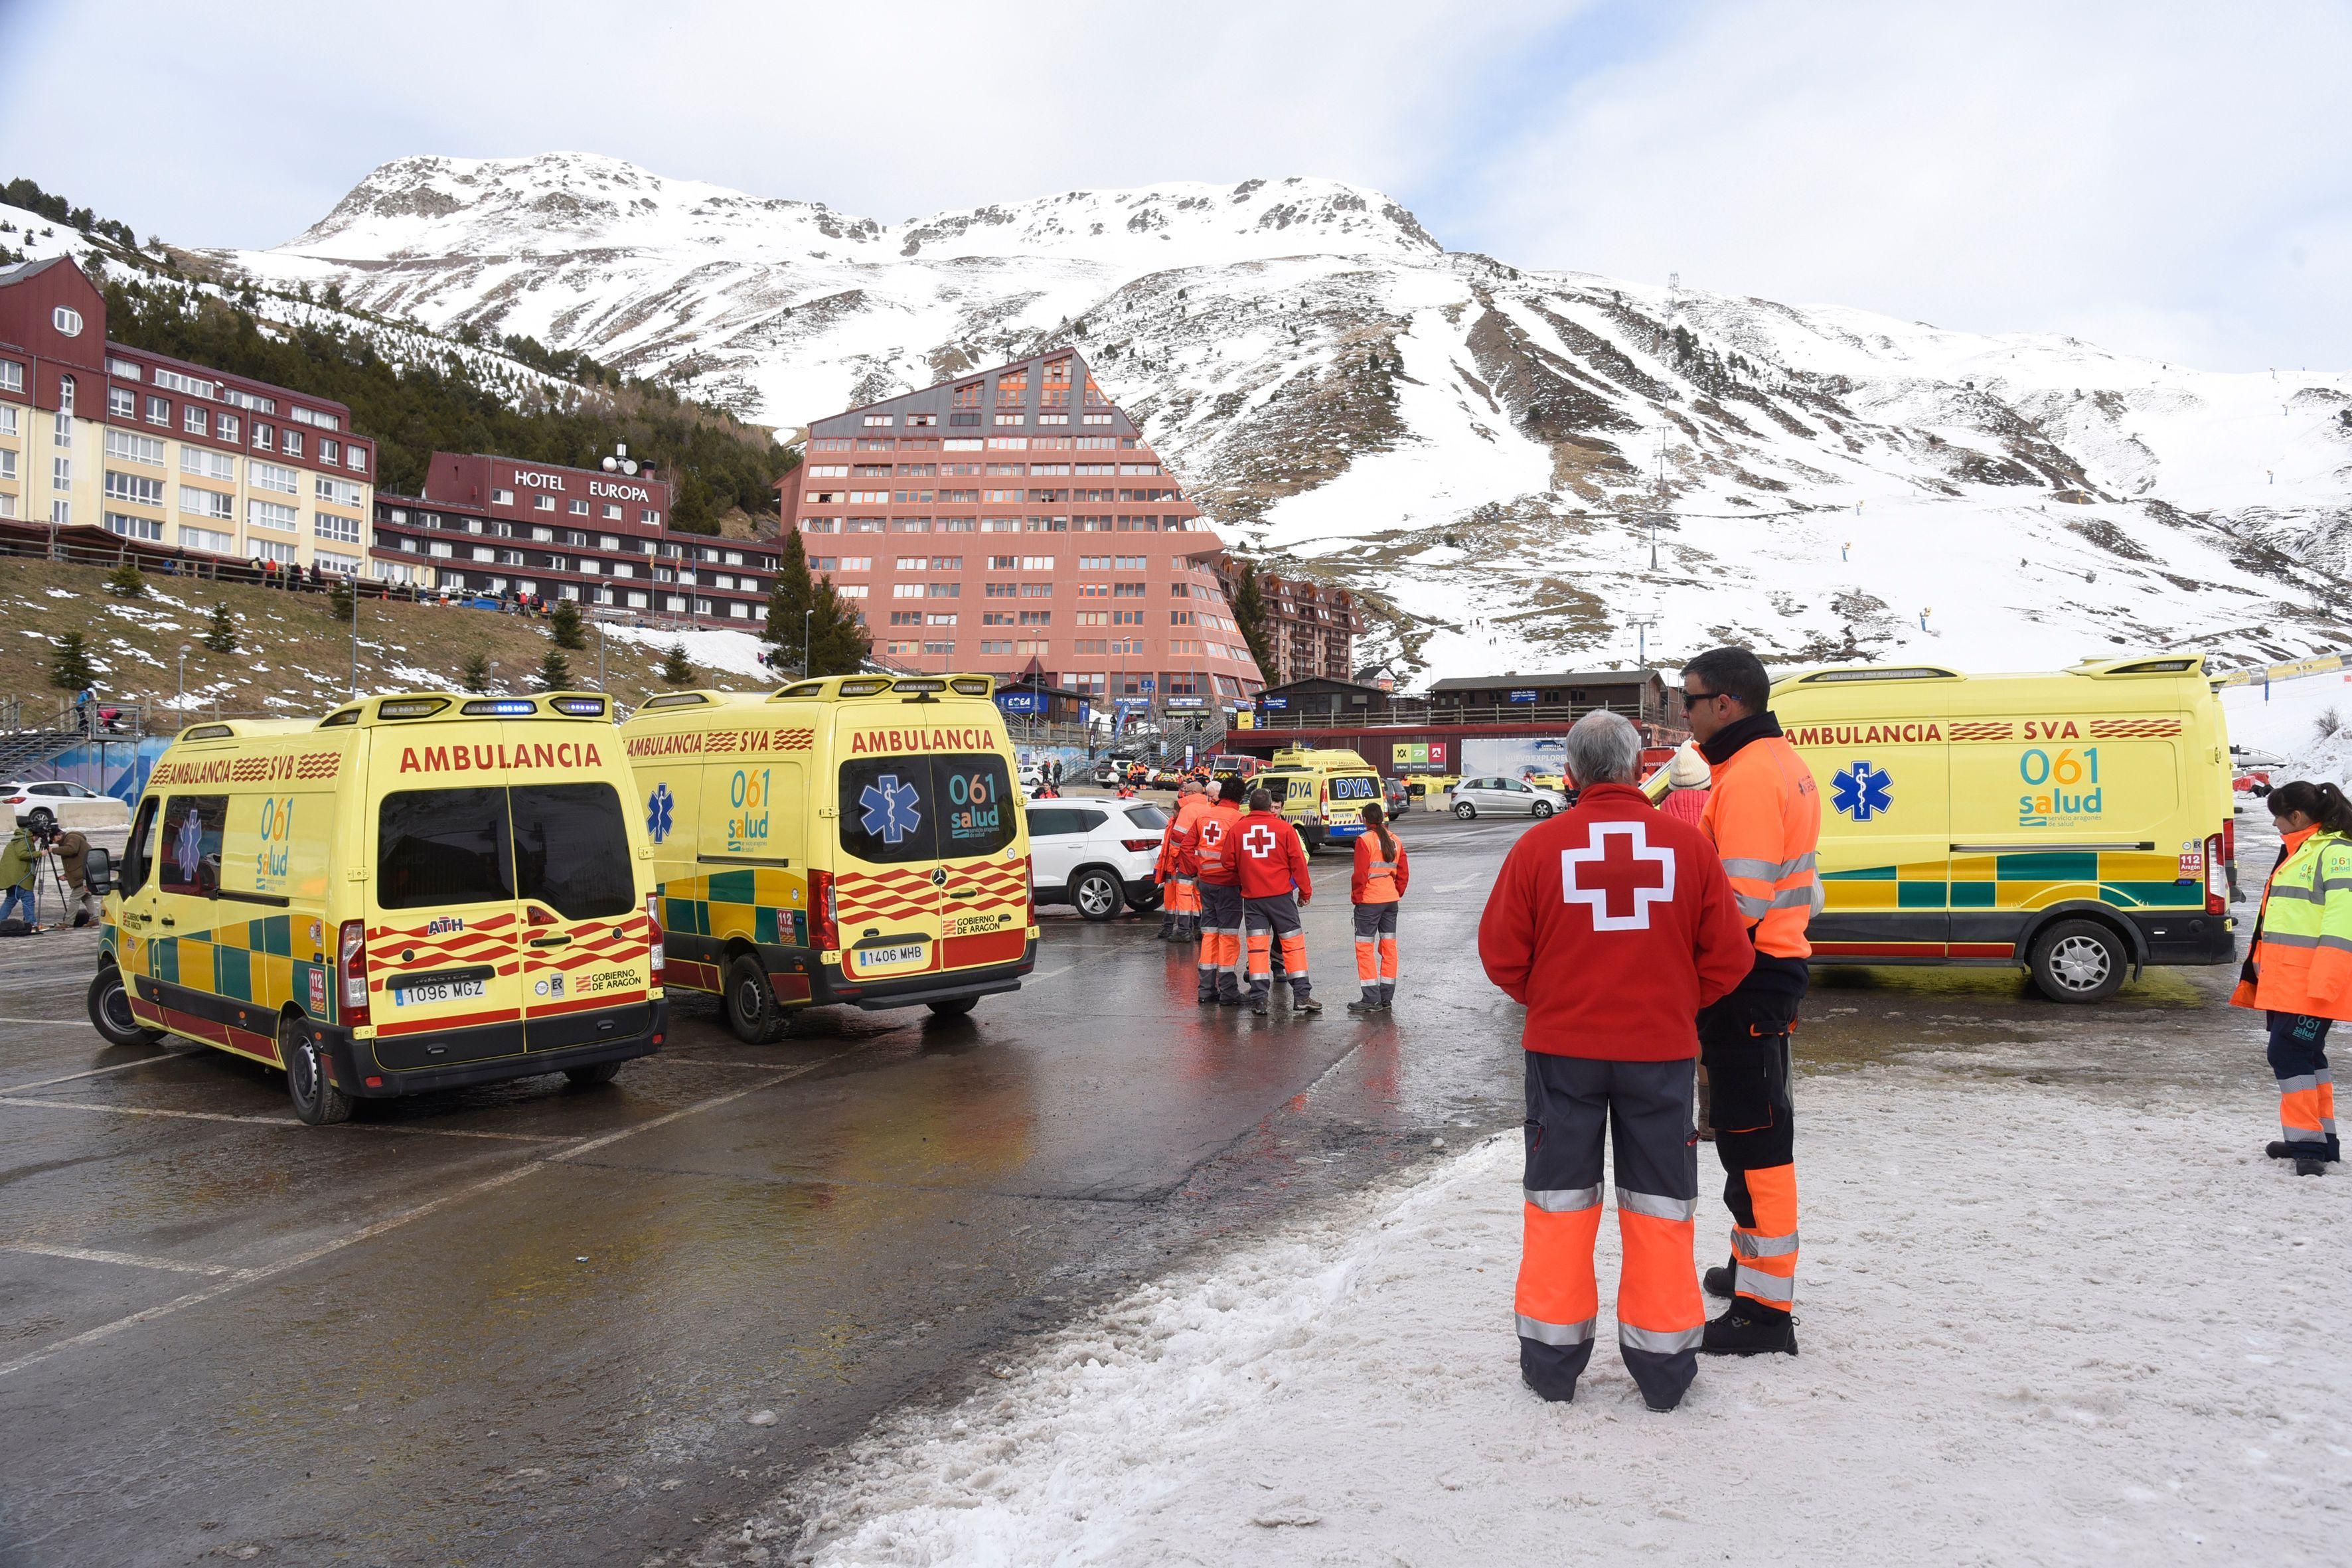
(1618, 874)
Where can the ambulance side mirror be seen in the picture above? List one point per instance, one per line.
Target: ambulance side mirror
(97, 871)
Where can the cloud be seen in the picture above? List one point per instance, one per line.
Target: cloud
(2168, 179)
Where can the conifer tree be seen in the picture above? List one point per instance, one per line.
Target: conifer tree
(70, 668)
(675, 671)
(786, 602)
(476, 676)
(564, 621)
(1249, 615)
(220, 631)
(554, 672)
(126, 580)
(340, 599)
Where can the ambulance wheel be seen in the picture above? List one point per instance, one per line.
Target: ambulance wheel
(2078, 961)
(1096, 893)
(1465, 810)
(953, 1007)
(752, 1010)
(109, 1012)
(589, 1078)
(316, 1101)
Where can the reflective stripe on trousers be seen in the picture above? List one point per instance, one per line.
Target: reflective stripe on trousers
(1765, 1253)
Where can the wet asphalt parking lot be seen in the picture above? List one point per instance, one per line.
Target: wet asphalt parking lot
(536, 1323)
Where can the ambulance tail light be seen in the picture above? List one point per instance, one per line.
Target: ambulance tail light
(824, 922)
(351, 974)
(653, 954)
(2220, 850)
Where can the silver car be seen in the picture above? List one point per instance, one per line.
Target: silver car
(1493, 797)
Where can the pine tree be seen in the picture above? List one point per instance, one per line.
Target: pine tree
(787, 601)
(1249, 615)
(70, 670)
(125, 580)
(220, 632)
(564, 623)
(837, 642)
(340, 597)
(675, 671)
(554, 672)
(476, 677)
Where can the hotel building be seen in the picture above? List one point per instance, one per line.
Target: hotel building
(1015, 520)
(1311, 627)
(158, 449)
(487, 525)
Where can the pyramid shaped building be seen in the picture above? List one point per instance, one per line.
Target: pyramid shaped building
(1013, 520)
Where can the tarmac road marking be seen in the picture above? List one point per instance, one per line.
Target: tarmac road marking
(126, 1260)
(84, 1022)
(393, 1126)
(390, 1223)
(94, 1072)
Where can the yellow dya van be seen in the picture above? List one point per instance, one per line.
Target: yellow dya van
(856, 840)
(2077, 823)
(1323, 791)
(416, 893)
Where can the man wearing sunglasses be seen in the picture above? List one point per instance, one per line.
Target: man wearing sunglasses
(1765, 819)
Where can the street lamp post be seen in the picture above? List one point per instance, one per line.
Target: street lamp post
(600, 655)
(807, 616)
(355, 580)
(180, 698)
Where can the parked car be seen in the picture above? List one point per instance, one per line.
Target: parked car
(1396, 796)
(1096, 856)
(1489, 795)
(54, 802)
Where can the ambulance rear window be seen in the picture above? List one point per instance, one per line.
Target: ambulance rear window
(896, 809)
(1361, 788)
(572, 849)
(442, 847)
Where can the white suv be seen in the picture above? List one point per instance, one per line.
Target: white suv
(1096, 855)
(1493, 797)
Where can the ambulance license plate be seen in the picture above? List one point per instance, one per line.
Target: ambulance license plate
(901, 955)
(440, 991)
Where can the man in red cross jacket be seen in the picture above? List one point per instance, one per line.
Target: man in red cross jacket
(1614, 924)
(1274, 884)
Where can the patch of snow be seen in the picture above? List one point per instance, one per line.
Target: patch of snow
(737, 653)
(2015, 1349)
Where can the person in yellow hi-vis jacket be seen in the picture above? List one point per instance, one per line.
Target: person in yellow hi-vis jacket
(2299, 965)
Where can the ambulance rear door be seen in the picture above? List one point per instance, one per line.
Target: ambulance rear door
(586, 954)
(911, 827)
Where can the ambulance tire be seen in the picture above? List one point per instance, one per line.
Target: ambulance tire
(589, 1077)
(2079, 960)
(753, 1012)
(316, 1102)
(1465, 810)
(109, 1012)
(953, 1007)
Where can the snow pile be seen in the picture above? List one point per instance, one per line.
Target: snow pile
(737, 653)
(2036, 1327)
(2308, 722)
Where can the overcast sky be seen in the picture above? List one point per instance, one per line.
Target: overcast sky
(2169, 179)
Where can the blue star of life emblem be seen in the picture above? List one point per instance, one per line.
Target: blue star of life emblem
(188, 848)
(658, 806)
(888, 810)
(1862, 791)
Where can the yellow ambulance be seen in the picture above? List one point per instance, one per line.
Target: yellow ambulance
(857, 839)
(416, 892)
(2077, 822)
(1323, 791)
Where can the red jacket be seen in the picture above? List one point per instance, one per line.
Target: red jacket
(1376, 880)
(1212, 851)
(1271, 856)
(1615, 925)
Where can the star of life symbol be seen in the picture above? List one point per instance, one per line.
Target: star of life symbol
(887, 809)
(188, 848)
(658, 806)
(1862, 791)
(1258, 840)
(1614, 874)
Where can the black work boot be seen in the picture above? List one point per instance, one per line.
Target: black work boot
(1258, 1006)
(1721, 1282)
(1751, 1329)
(2304, 1167)
(1367, 1005)
(2278, 1150)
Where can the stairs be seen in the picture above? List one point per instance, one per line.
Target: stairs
(21, 749)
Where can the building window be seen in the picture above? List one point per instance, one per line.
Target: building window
(265, 514)
(265, 438)
(67, 321)
(329, 451)
(273, 476)
(356, 459)
(122, 403)
(128, 446)
(212, 504)
(611, 514)
(61, 473)
(293, 443)
(192, 420)
(12, 376)
(313, 416)
(130, 527)
(270, 550)
(502, 498)
(207, 464)
(226, 427)
(206, 539)
(650, 517)
(539, 503)
(134, 489)
(325, 562)
(579, 508)
(327, 525)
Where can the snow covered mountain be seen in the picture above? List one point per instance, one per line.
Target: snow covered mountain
(1493, 455)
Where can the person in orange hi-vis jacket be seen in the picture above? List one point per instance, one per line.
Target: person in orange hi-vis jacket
(1274, 884)
(1179, 917)
(1764, 816)
(1614, 925)
(1382, 870)
(1219, 880)
(2298, 968)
